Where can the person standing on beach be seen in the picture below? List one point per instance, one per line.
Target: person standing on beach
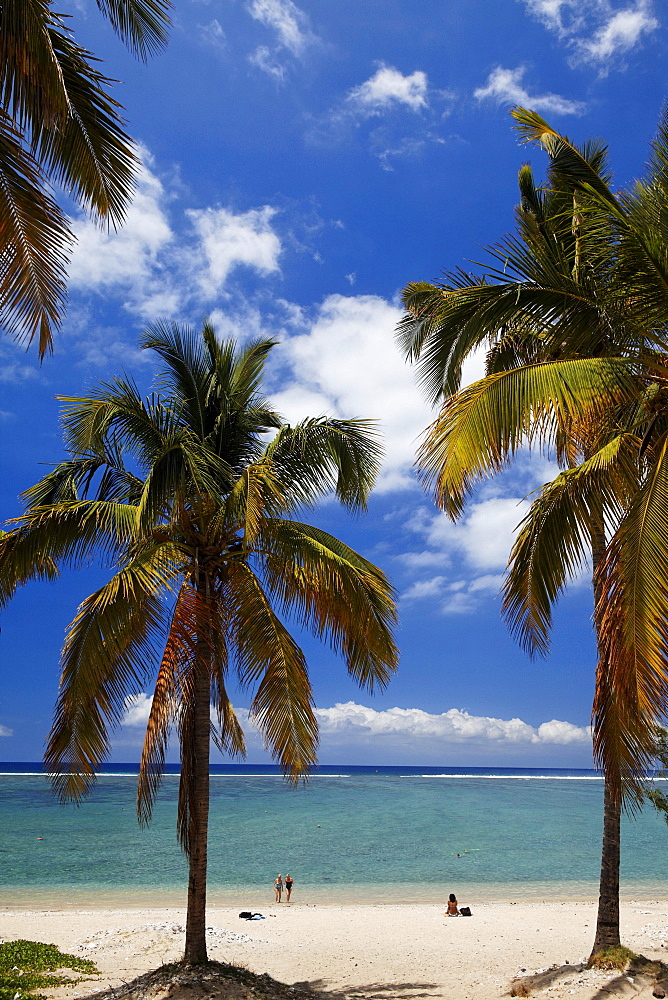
(288, 887)
(278, 888)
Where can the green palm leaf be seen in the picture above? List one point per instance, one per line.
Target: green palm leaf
(34, 246)
(341, 597)
(554, 542)
(269, 659)
(483, 426)
(109, 650)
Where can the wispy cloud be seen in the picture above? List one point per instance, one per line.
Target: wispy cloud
(287, 20)
(597, 31)
(6, 731)
(456, 565)
(504, 86)
(621, 33)
(406, 113)
(212, 34)
(291, 28)
(266, 60)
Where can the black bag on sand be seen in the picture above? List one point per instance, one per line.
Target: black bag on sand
(465, 911)
(245, 915)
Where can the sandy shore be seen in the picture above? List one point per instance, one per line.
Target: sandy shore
(380, 951)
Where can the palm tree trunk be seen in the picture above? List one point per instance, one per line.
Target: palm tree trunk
(607, 917)
(195, 951)
(607, 920)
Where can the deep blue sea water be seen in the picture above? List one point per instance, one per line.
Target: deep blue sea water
(349, 834)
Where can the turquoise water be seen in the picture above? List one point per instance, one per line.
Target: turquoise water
(349, 834)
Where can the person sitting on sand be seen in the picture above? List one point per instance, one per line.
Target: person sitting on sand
(452, 910)
(288, 887)
(278, 888)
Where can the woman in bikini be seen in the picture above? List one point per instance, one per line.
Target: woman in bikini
(452, 910)
(278, 888)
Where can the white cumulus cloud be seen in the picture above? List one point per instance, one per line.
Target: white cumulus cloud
(153, 273)
(137, 709)
(126, 259)
(504, 86)
(349, 337)
(6, 731)
(405, 733)
(230, 240)
(483, 536)
(387, 88)
(454, 726)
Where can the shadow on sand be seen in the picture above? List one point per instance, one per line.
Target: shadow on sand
(373, 991)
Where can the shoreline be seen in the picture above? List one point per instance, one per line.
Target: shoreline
(395, 950)
(150, 897)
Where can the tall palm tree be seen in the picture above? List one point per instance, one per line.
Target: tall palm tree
(59, 126)
(560, 331)
(192, 495)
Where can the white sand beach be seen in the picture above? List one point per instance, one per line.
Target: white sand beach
(363, 951)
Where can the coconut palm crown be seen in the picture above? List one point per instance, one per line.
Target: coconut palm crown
(570, 313)
(191, 495)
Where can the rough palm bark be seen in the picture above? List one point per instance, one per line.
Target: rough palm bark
(195, 948)
(607, 917)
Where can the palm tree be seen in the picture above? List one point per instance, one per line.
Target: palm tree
(58, 126)
(193, 500)
(557, 318)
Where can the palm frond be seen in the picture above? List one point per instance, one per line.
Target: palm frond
(271, 662)
(565, 156)
(19, 568)
(35, 245)
(341, 597)
(482, 427)
(553, 544)
(70, 533)
(32, 88)
(109, 651)
(142, 24)
(632, 686)
(324, 454)
(88, 153)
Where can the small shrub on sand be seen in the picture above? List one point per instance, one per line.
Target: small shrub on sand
(23, 965)
(617, 957)
(519, 988)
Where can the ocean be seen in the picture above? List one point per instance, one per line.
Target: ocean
(349, 834)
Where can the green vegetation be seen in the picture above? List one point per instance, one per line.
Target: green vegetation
(192, 496)
(23, 965)
(616, 957)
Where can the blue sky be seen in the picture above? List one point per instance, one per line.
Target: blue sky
(302, 162)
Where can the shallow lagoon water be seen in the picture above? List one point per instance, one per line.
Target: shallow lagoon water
(348, 835)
